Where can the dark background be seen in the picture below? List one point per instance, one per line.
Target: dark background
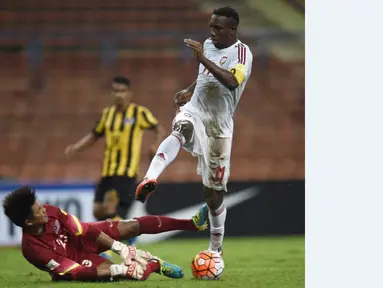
(278, 208)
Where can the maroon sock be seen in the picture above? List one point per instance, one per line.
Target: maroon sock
(159, 224)
(150, 268)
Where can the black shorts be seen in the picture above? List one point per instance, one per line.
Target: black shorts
(123, 185)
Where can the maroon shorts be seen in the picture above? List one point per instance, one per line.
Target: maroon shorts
(88, 254)
(89, 259)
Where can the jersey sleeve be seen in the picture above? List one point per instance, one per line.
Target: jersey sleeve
(99, 127)
(59, 267)
(72, 224)
(241, 63)
(146, 120)
(76, 227)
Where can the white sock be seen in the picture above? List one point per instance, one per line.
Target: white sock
(166, 153)
(217, 228)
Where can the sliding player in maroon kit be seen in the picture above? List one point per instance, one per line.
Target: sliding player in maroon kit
(59, 243)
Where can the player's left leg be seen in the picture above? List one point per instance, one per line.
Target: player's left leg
(126, 229)
(126, 189)
(182, 134)
(215, 176)
(117, 203)
(152, 224)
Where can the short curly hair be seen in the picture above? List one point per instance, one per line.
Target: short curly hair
(228, 12)
(18, 204)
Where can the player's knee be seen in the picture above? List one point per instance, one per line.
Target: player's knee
(214, 198)
(183, 129)
(128, 228)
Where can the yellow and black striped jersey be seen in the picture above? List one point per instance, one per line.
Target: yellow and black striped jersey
(123, 132)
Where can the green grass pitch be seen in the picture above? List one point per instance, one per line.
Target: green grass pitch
(260, 262)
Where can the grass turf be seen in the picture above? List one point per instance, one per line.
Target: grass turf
(260, 262)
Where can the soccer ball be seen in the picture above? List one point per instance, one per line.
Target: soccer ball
(207, 265)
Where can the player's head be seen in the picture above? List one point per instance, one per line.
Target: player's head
(121, 91)
(223, 27)
(23, 209)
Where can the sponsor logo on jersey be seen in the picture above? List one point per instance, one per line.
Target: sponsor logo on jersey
(130, 121)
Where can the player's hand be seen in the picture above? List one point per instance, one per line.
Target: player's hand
(131, 254)
(136, 270)
(181, 98)
(70, 151)
(195, 46)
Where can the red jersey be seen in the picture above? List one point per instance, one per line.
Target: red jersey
(66, 245)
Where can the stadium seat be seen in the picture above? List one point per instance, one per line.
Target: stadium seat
(36, 126)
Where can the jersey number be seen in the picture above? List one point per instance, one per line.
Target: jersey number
(62, 241)
(219, 174)
(87, 263)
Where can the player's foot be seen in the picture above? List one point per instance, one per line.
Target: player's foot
(200, 218)
(169, 270)
(144, 189)
(219, 251)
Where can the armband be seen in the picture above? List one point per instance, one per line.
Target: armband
(239, 72)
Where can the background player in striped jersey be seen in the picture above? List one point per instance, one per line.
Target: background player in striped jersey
(67, 248)
(122, 124)
(204, 126)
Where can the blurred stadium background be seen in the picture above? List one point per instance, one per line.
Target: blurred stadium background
(57, 61)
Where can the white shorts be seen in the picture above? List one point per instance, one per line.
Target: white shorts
(213, 153)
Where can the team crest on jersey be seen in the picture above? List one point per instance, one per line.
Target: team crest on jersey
(223, 60)
(130, 121)
(56, 227)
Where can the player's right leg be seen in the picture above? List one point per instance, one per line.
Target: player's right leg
(98, 208)
(215, 176)
(125, 186)
(182, 134)
(168, 269)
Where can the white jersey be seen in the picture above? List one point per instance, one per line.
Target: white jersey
(214, 102)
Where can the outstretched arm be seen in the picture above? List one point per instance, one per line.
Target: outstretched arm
(89, 139)
(226, 78)
(146, 120)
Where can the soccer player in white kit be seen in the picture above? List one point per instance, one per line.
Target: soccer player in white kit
(204, 125)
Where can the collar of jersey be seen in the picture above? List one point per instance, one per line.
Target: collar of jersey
(227, 48)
